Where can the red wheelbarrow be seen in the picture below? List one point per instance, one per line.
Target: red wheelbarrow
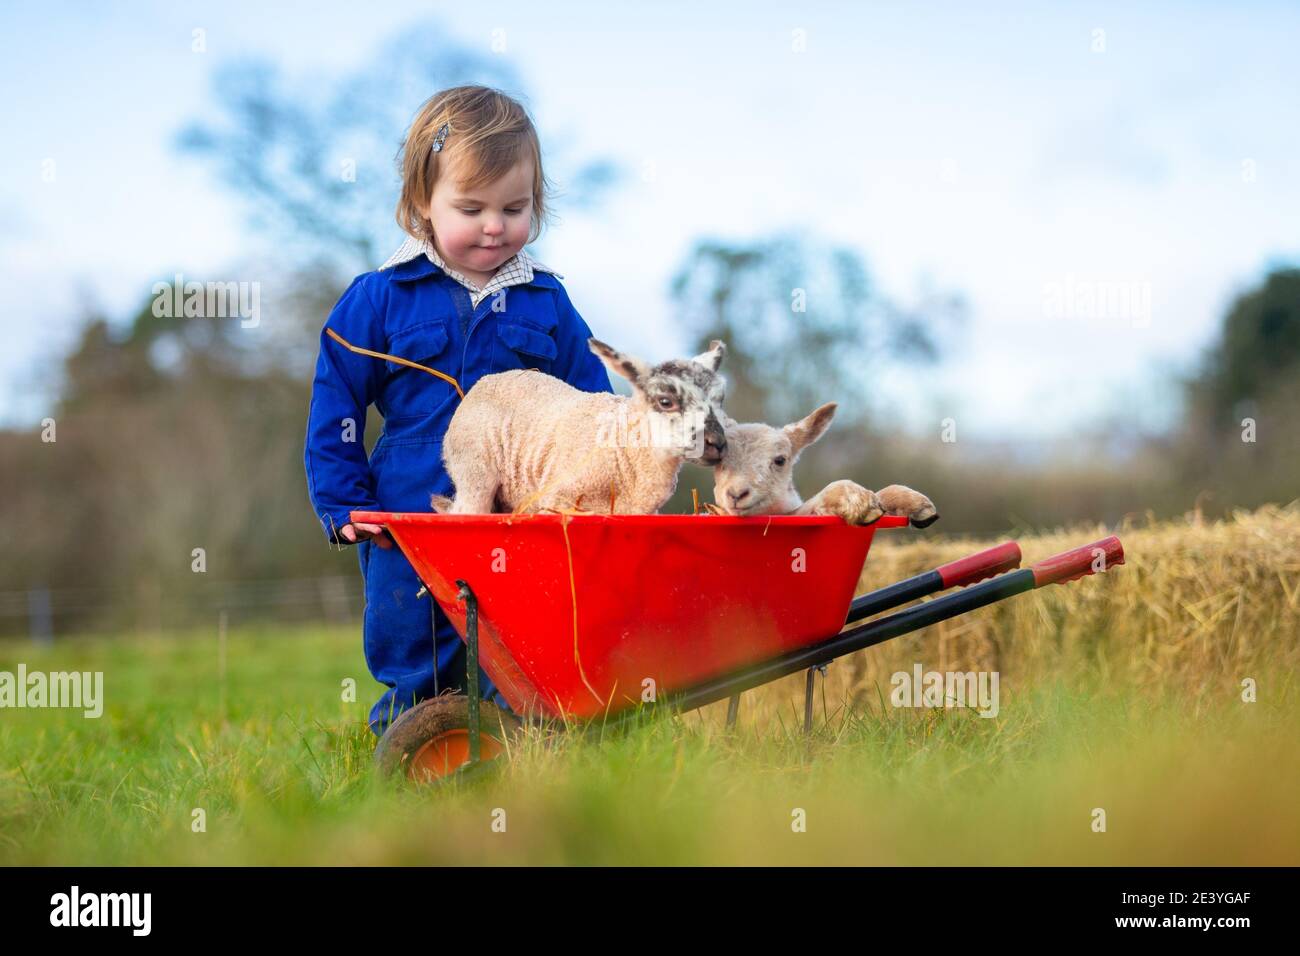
(596, 617)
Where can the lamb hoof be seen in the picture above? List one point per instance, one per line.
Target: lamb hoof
(852, 502)
(903, 501)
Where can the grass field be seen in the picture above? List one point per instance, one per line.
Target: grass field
(1121, 692)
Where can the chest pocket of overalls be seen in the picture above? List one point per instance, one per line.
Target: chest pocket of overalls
(408, 391)
(521, 344)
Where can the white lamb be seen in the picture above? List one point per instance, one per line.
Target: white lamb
(756, 477)
(526, 441)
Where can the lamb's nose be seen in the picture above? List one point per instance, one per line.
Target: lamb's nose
(738, 497)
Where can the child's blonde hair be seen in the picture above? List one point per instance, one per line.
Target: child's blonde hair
(488, 132)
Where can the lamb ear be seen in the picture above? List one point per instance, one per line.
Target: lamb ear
(807, 430)
(712, 359)
(620, 363)
(729, 425)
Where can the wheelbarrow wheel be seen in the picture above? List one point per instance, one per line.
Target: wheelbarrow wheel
(431, 740)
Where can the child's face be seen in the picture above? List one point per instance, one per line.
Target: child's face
(475, 231)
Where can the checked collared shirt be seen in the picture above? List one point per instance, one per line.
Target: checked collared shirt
(517, 270)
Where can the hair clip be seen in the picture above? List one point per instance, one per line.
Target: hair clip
(440, 137)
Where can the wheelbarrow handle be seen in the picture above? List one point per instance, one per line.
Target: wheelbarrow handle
(977, 567)
(960, 573)
(1077, 562)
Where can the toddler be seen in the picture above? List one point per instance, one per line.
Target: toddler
(460, 296)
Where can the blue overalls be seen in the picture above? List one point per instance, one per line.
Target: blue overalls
(415, 311)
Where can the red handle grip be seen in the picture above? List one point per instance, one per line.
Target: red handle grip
(1069, 565)
(977, 567)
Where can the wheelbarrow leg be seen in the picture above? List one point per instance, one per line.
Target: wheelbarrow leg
(808, 697)
(733, 707)
(471, 667)
(807, 702)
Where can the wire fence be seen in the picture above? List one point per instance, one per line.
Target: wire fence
(45, 614)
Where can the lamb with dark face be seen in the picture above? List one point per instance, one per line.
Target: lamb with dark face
(680, 400)
(527, 441)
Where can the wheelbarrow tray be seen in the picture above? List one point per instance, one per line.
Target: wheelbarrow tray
(583, 615)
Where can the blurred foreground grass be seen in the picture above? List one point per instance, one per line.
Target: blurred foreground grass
(1120, 692)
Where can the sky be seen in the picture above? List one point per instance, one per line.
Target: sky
(1097, 181)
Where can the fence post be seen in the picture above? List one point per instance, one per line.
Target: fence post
(40, 616)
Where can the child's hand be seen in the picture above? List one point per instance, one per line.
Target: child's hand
(360, 532)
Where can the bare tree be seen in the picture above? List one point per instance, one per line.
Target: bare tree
(317, 165)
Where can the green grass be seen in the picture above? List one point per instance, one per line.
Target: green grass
(280, 765)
